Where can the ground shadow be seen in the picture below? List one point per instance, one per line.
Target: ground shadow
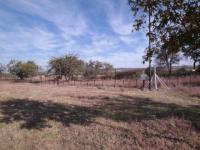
(128, 109)
(35, 114)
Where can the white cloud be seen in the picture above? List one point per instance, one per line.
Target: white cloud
(72, 23)
(121, 58)
(63, 14)
(119, 17)
(24, 39)
(101, 43)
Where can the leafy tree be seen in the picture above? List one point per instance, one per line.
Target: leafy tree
(73, 66)
(170, 22)
(108, 70)
(2, 68)
(22, 70)
(68, 66)
(92, 69)
(57, 66)
(194, 55)
(167, 58)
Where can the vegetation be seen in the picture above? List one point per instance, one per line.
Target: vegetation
(71, 66)
(95, 114)
(68, 66)
(94, 68)
(48, 117)
(173, 26)
(136, 76)
(2, 68)
(22, 69)
(167, 58)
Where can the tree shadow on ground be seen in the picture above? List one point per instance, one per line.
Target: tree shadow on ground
(127, 108)
(35, 114)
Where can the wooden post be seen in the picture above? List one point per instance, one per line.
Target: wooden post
(136, 82)
(115, 77)
(143, 84)
(57, 79)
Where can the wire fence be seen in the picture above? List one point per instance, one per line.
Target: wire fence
(188, 81)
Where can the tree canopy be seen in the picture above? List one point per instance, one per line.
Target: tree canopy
(71, 66)
(22, 69)
(175, 25)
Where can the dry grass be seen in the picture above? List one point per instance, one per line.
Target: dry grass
(193, 91)
(71, 117)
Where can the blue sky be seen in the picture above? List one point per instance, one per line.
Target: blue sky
(94, 29)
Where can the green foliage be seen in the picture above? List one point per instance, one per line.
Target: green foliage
(136, 75)
(22, 70)
(166, 57)
(71, 66)
(68, 66)
(108, 70)
(94, 68)
(182, 72)
(174, 25)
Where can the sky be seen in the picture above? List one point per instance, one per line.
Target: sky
(93, 29)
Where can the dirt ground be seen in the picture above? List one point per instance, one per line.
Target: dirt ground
(38, 116)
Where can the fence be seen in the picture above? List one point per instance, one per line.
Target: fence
(192, 80)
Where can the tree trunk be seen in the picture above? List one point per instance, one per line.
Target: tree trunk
(170, 69)
(136, 82)
(194, 64)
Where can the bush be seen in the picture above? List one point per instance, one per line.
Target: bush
(22, 70)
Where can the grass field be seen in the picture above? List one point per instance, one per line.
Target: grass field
(79, 117)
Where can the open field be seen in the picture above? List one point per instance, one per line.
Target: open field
(39, 116)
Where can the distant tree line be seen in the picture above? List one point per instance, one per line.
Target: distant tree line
(71, 67)
(68, 67)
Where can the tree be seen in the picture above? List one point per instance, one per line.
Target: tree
(194, 55)
(108, 70)
(93, 68)
(167, 58)
(73, 66)
(57, 66)
(189, 33)
(22, 70)
(136, 76)
(144, 10)
(2, 68)
(177, 21)
(68, 66)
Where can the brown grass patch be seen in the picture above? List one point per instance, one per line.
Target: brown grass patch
(72, 117)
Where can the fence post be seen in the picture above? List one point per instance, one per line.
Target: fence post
(57, 81)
